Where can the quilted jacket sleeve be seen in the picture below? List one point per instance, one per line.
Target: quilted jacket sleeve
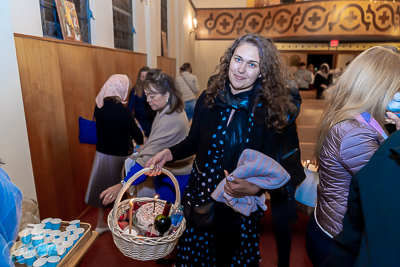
(357, 147)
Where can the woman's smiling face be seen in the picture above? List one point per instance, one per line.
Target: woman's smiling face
(244, 68)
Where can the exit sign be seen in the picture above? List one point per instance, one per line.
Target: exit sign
(334, 43)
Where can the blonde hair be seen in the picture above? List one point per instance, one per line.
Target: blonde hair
(367, 84)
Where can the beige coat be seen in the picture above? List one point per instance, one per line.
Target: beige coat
(188, 85)
(167, 130)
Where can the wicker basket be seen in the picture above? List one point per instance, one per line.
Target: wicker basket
(143, 248)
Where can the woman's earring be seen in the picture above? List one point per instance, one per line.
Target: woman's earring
(166, 100)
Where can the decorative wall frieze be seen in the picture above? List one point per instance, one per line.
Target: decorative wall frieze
(310, 21)
(325, 46)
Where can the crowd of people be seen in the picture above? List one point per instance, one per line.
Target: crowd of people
(251, 103)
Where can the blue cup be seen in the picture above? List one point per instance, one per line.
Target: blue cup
(68, 245)
(55, 224)
(53, 261)
(29, 247)
(79, 231)
(71, 228)
(55, 234)
(25, 236)
(19, 255)
(75, 222)
(30, 257)
(41, 262)
(49, 249)
(64, 235)
(47, 223)
(74, 238)
(46, 232)
(37, 240)
(56, 250)
(42, 249)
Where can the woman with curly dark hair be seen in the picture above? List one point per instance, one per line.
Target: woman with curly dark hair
(247, 106)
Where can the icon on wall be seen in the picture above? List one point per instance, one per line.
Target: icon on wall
(68, 20)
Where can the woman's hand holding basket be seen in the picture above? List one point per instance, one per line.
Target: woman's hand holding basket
(110, 194)
(157, 162)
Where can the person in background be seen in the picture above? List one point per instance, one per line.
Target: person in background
(294, 90)
(188, 85)
(349, 134)
(138, 105)
(170, 126)
(335, 76)
(311, 69)
(321, 80)
(116, 128)
(371, 232)
(303, 77)
(247, 106)
(10, 213)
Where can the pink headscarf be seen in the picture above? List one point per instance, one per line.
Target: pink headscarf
(116, 85)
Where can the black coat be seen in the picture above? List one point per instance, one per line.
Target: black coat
(282, 147)
(371, 228)
(115, 129)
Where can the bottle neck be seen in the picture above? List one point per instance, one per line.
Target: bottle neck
(167, 208)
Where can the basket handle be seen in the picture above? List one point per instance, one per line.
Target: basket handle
(137, 175)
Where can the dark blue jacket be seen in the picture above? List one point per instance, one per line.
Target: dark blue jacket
(143, 112)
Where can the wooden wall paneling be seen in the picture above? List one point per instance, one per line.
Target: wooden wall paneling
(79, 94)
(130, 63)
(123, 62)
(60, 82)
(168, 65)
(41, 86)
(103, 65)
(138, 61)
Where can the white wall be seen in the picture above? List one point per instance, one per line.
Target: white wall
(139, 23)
(343, 59)
(207, 56)
(153, 32)
(188, 38)
(14, 147)
(102, 27)
(26, 17)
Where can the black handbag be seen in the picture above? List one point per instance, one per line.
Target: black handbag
(201, 216)
(87, 131)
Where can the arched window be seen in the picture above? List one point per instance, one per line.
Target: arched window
(123, 28)
(51, 23)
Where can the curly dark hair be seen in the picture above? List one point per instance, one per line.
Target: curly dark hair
(272, 101)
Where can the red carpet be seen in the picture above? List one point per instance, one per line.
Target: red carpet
(105, 253)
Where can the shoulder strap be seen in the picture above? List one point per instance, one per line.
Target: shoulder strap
(186, 82)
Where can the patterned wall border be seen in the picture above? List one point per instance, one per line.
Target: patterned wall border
(325, 46)
(311, 20)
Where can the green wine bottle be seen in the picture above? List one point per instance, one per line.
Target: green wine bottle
(163, 222)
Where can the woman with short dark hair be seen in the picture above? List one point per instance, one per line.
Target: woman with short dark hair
(170, 126)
